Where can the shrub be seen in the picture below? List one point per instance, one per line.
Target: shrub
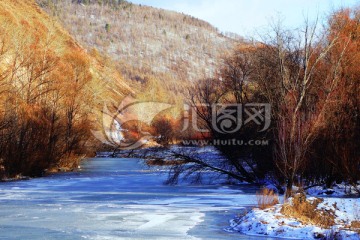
(266, 198)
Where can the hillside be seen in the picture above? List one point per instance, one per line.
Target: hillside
(144, 40)
(52, 91)
(25, 24)
(24, 19)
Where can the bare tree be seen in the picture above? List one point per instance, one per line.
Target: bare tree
(229, 90)
(287, 71)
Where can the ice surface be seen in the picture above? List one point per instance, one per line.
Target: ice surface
(118, 199)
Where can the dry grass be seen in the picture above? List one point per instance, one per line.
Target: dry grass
(355, 226)
(266, 198)
(306, 211)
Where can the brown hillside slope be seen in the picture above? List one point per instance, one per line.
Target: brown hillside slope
(20, 18)
(52, 91)
(26, 20)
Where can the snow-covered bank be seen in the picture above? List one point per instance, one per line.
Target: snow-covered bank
(273, 222)
(337, 190)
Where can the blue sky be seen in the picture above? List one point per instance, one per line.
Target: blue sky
(246, 17)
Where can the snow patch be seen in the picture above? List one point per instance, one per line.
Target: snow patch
(271, 222)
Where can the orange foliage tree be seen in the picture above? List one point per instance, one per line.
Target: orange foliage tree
(45, 103)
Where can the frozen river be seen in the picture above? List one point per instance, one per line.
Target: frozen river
(114, 198)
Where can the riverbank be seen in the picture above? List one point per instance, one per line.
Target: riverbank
(69, 165)
(336, 217)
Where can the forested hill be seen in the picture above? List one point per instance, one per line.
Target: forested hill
(144, 39)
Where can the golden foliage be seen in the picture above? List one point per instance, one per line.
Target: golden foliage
(51, 92)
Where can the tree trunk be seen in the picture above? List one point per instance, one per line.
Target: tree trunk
(288, 191)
